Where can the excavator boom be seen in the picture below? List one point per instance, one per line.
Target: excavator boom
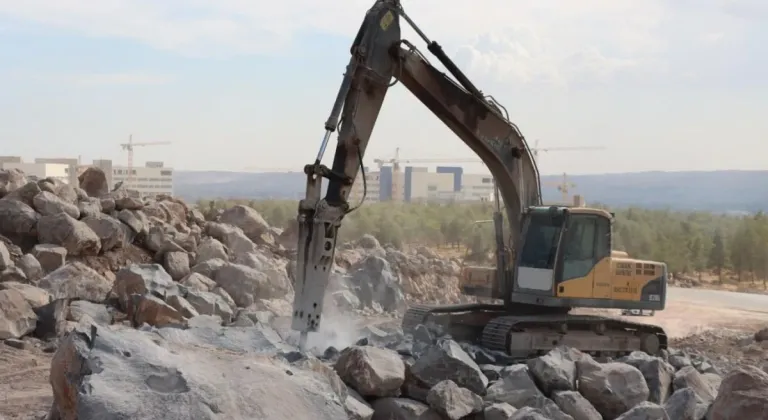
(379, 55)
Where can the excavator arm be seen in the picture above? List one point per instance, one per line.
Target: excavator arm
(379, 55)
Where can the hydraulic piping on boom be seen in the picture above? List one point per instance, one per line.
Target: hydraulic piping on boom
(557, 257)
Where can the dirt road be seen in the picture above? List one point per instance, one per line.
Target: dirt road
(25, 392)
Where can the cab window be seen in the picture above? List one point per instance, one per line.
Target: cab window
(579, 246)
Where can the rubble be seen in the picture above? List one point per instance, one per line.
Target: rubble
(154, 312)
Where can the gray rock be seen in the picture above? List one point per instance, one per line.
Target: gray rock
(182, 306)
(689, 377)
(76, 280)
(206, 330)
(35, 296)
(613, 388)
(50, 256)
(447, 360)
(402, 409)
(211, 248)
(529, 413)
(143, 279)
(645, 411)
(207, 303)
(555, 371)
(575, 405)
(209, 268)
(129, 375)
(80, 309)
(17, 218)
(89, 207)
(109, 230)
(679, 361)
(197, 281)
(32, 269)
(48, 204)
(743, 395)
(518, 389)
(245, 284)
(14, 274)
(498, 411)
(658, 374)
(176, 263)
(17, 318)
(94, 182)
(5, 257)
(247, 219)
(74, 235)
(453, 402)
(682, 405)
(371, 371)
(357, 408)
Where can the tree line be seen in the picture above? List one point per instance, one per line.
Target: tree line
(688, 242)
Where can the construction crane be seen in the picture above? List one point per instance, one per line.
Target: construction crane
(129, 147)
(564, 187)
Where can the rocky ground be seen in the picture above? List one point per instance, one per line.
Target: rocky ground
(117, 307)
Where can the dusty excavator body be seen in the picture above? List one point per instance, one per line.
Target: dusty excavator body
(537, 275)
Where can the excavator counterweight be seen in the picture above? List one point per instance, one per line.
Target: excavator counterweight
(562, 257)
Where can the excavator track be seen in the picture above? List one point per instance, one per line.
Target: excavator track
(529, 335)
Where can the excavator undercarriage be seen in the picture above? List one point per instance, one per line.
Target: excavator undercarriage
(549, 275)
(531, 331)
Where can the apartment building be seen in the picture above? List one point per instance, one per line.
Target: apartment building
(418, 184)
(152, 179)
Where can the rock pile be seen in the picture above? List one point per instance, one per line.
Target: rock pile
(154, 312)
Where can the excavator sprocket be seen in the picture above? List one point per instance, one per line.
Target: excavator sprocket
(525, 335)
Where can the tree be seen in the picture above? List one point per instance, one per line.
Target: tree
(718, 255)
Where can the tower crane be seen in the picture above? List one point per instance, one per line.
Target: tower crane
(129, 147)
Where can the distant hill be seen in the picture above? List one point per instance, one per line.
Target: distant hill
(719, 191)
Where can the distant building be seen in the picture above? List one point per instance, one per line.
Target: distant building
(38, 171)
(418, 184)
(147, 180)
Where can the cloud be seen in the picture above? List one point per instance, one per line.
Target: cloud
(524, 41)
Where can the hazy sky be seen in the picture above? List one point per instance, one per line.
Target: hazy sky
(662, 84)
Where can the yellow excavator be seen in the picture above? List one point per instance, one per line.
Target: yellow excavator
(554, 258)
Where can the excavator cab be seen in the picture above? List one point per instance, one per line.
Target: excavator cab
(567, 261)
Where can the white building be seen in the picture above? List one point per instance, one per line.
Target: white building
(38, 171)
(149, 180)
(418, 184)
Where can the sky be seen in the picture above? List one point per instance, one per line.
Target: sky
(655, 85)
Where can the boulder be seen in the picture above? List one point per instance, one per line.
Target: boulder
(658, 374)
(555, 371)
(613, 388)
(743, 394)
(17, 318)
(371, 371)
(74, 235)
(453, 402)
(402, 409)
(129, 374)
(645, 411)
(50, 256)
(447, 360)
(75, 280)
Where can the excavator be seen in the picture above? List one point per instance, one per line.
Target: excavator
(555, 259)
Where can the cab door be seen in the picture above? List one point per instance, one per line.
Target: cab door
(603, 272)
(575, 276)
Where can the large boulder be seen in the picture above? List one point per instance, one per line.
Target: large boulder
(130, 374)
(76, 280)
(247, 219)
(63, 230)
(371, 371)
(743, 394)
(17, 318)
(447, 360)
(94, 182)
(613, 388)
